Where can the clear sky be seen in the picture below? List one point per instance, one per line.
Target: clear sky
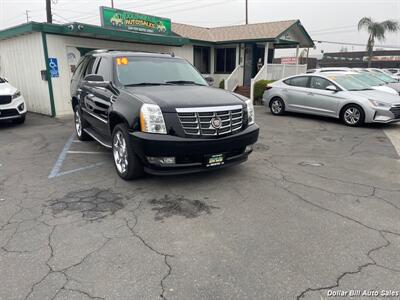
(327, 20)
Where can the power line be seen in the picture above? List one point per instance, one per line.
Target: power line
(356, 44)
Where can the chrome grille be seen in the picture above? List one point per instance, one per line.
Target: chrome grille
(396, 111)
(198, 121)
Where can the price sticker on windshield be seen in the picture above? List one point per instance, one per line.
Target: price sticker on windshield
(122, 61)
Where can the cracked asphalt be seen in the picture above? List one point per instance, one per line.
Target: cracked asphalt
(316, 208)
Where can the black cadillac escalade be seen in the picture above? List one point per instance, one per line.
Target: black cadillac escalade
(158, 114)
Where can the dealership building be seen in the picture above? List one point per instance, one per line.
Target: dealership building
(39, 58)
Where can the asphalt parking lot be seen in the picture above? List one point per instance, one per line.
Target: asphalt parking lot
(316, 208)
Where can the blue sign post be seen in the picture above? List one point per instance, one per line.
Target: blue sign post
(53, 66)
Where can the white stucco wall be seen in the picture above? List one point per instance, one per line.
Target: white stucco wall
(21, 60)
(57, 48)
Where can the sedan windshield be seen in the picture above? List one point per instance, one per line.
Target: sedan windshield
(142, 70)
(369, 79)
(384, 77)
(349, 82)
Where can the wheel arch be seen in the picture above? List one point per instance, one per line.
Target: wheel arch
(115, 118)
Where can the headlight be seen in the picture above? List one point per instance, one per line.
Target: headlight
(379, 103)
(151, 119)
(16, 95)
(250, 111)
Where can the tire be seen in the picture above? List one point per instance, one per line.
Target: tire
(352, 115)
(277, 106)
(80, 125)
(126, 162)
(20, 120)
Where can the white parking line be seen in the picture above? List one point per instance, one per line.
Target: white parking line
(56, 171)
(394, 136)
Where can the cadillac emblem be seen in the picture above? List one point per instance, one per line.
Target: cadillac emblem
(216, 122)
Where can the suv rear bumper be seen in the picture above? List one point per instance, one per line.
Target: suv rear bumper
(190, 153)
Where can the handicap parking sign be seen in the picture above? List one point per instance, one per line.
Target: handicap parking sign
(53, 66)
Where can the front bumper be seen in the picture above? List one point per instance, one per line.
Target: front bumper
(384, 115)
(14, 110)
(190, 153)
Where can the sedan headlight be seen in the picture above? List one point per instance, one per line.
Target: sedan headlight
(151, 119)
(250, 111)
(16, 95)
(376, 103)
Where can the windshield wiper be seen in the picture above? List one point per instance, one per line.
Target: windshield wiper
(146, 84)
(183, 82)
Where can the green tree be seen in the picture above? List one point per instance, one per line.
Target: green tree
(377, 31)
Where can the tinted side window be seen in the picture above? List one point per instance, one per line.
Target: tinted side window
(319, 83)
(89, 67)
(79, 69)
(104, 69)
(298, 81)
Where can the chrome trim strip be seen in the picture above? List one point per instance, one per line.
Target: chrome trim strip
(208, 109)
(10, 117)
(94, 116)
(97, 139)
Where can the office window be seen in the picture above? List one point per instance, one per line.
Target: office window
(225, 60)
(202, 59)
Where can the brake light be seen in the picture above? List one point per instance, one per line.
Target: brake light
(268, 87)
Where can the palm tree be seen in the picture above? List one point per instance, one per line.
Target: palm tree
(377, 31)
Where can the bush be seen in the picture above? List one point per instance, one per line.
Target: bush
(222, 84)
(259, 88)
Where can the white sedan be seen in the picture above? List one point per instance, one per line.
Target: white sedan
(337, 95)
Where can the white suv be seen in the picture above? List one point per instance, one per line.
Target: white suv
(12, 104)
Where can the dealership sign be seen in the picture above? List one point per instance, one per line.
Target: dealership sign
(127, 20)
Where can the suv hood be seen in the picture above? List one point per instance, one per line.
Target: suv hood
(7, 89)
(169, 97)
(378, 95)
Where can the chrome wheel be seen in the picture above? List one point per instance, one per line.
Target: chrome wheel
(78, 123)
(276, 106)
(352, 115)
(120, 152)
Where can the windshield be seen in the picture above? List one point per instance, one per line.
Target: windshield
(369, 79)
(156, 70)
(384, 77)
(349, 82)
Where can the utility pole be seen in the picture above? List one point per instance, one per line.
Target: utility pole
(27, 15)
(247, 12)
(48, 12)
(112, 3)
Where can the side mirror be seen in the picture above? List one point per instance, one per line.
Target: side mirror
(94, 80)
(331, 88)
(210, 80)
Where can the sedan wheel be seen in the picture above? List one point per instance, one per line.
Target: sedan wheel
(277, 106)
(80, 125)
(353, 116)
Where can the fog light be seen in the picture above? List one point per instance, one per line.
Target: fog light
(21, 107)
(161, 161)
(249, 148)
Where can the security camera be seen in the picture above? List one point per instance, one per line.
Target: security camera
(80, 27)
(70, 27)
